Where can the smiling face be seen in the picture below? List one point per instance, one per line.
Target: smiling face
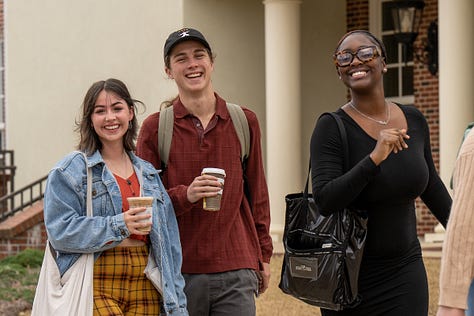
(191, 67)
(110, 118)
(362, 72)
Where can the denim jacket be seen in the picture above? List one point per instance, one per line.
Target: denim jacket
(72, 233)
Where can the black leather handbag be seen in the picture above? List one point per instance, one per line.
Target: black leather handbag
(322, 253)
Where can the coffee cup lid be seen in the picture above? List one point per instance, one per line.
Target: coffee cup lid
(213, 170)
(140, 198)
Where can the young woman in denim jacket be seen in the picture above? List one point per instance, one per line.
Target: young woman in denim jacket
(108, 129)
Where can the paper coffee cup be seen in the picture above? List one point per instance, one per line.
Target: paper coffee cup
(142, 201)
(213, 203)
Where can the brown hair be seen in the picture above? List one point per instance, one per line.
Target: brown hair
(89, 140)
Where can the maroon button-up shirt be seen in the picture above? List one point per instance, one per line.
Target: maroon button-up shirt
(237, 236)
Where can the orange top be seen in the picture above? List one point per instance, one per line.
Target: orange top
(130, 187)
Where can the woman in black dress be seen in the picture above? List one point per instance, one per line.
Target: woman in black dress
(390, 166)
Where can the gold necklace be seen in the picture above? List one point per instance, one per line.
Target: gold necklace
(351, 104)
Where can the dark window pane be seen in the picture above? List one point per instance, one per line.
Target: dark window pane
(407, 75)
(390, 83)
(387, 20)
(407, 53)
(391, 45)
(410, 52)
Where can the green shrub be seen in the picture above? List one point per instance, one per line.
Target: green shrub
(27, 258)
(19, 275)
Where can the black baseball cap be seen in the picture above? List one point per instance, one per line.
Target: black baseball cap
(185, 34)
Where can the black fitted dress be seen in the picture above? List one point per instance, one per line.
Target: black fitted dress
(392, 278)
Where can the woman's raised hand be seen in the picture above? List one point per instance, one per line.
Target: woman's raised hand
(389, 140)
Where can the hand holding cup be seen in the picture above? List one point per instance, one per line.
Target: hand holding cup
(142, 202)
(213, 203)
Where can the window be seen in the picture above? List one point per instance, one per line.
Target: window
(398, 81)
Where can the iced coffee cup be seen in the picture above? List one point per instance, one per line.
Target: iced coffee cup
(213, 203)
(142, 201)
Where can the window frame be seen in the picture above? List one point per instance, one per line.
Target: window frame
(375, 27)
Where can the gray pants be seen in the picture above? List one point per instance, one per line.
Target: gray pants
(221, 294)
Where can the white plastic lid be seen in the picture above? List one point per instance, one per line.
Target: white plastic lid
(213, 171)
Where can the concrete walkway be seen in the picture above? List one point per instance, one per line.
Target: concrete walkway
(431, 249)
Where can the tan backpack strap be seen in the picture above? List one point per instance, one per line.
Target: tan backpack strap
(165, 134)
(241, 126)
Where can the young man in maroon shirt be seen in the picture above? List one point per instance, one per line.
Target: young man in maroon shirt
(226, 253)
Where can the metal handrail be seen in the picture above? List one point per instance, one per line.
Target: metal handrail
(7, 168)
(8, 202)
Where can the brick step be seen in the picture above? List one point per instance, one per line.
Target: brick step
(22, 221)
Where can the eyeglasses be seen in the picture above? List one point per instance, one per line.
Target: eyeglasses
(364, 54)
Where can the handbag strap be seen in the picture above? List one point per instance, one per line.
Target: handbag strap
(89, 187)
(345, 147)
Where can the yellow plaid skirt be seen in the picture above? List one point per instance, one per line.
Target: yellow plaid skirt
(120, 285)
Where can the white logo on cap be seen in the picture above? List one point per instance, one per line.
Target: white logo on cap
(184, 34)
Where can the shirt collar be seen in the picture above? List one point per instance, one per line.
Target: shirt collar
(221, 110)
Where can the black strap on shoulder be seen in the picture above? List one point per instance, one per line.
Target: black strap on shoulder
(345, 143)
(345, 146)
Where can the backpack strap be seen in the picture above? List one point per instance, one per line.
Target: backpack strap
(165, 133)
(241, 126)
(166, 123)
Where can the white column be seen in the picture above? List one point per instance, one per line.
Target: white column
(456, 77)
(283, 109)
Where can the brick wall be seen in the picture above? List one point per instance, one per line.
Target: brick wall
(357, 15)
(426, 88)
(23, 230)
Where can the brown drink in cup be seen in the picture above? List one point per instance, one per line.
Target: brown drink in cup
(213, 203)
(142, 201)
